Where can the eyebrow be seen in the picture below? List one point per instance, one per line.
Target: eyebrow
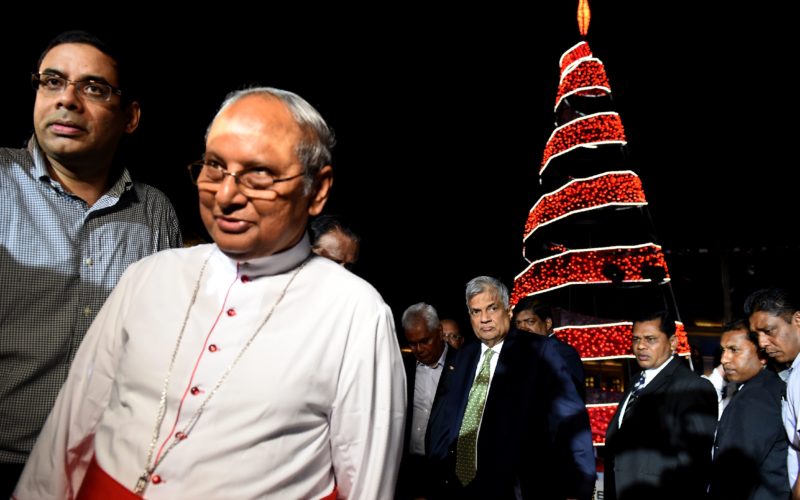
(81, 78)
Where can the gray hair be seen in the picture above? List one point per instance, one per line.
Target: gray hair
(314, 150)
(482, 284)
(421, 311)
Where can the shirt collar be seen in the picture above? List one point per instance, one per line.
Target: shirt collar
(439, 362)
(123, 183)
(496, 348)
(270, 265)
(651, 373)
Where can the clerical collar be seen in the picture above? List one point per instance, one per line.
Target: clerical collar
(270, 265)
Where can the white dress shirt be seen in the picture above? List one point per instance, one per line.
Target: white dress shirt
(790, 410)
(426, 380)
(316, 402)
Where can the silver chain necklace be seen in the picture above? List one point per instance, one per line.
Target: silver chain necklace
(144, 479)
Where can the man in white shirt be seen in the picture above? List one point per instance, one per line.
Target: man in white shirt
(427, 372)
(774, 314)
(248, 368)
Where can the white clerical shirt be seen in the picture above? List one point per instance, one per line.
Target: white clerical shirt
(316, 402)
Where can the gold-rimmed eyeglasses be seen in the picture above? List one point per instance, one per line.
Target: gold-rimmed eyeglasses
(255, 179)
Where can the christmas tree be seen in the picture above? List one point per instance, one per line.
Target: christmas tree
(589, 242)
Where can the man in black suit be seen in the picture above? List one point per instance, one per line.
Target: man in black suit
(751, 444)
(658, 444)
(426, 376)
(510, 424)
(536, 317)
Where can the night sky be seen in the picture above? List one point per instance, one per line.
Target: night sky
(441, 120)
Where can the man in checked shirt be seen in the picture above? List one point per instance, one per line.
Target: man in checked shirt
(72, 222)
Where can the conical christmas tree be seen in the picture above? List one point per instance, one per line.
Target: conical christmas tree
(588, 239)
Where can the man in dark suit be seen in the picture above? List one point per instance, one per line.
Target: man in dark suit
(427, 371)
(510, 424)
(533, 316)
(658, 444)
(751, 445)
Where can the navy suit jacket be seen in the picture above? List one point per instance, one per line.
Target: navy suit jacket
(751, 445)
(534, 440)
(574, 365)
(410, 365)
(663, 449)
(414, 478)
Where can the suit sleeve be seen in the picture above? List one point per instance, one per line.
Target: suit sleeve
(699, 413)
(61, 455)
(569, 424)
(369, 408)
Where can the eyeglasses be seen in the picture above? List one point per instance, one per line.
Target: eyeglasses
(255, 179)
(92, 90)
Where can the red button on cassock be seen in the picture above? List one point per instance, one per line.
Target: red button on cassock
(231, 312)
(195, 391)
(156, 479)
(245, 278)
(212, 348)
(180, 435)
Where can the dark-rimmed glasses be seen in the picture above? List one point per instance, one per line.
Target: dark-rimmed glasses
(93, 90)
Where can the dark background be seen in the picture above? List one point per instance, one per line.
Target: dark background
(442, 117)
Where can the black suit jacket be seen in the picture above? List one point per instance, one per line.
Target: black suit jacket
(574, 365)
(414, 478)
(534, 439)
(663, 449)
(751, 444)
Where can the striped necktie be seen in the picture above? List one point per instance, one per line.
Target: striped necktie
(637, 388)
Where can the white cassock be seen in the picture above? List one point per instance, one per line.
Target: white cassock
(316, 402)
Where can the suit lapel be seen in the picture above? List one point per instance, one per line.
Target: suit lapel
(661, 379)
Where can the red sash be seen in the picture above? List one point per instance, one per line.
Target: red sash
(98, 485)
(333, 495)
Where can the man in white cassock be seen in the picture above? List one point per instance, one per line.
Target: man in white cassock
(247, 368)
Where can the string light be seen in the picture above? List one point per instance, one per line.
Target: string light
(573, 55)
(610, 340)
(587, 78)
(599, 418)
(622, 188)
(579, 267)
(589, 130)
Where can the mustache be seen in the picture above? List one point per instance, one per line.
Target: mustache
(65, 118)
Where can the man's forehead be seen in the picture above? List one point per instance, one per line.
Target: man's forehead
(449, 325)
(764, 318)
(81, 60)
(419, 327)
(733, 336)
(254, 115)
(485, 297)
(652, 326)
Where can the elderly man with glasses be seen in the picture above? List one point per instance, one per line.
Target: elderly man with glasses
(246, 368)
(72, 222)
